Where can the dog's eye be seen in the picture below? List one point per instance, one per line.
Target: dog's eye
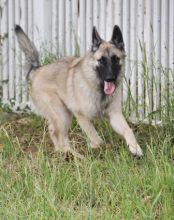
(115, 59)
(102, 60)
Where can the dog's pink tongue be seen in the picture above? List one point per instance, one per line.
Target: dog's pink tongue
(109, 88)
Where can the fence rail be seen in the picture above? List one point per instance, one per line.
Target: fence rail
(63, 27)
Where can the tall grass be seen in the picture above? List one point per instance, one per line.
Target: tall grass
(150, 98)
(109, 183)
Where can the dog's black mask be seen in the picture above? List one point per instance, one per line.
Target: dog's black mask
(108, 69)
(109, 66)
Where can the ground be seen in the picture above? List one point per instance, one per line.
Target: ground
(109, 183)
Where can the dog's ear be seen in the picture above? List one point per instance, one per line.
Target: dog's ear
(96, 40)
(117, 38)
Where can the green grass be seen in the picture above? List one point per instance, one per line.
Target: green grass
(109, 183)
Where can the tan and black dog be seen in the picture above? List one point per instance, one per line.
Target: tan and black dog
(85, 87)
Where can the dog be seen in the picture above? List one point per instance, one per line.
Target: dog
(85, 87)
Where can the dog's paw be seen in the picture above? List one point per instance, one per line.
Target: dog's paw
(68, 151)
(97, 143)
(136, 150)
(77, 155)
(95, 146)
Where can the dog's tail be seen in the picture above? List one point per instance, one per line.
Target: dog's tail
(29, 49)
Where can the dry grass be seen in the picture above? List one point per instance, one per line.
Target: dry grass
(109, 183)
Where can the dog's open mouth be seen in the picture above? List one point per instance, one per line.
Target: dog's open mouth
(109, 87)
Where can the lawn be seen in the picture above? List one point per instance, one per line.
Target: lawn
(36, 183)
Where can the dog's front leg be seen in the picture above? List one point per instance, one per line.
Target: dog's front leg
(120, 125)
(90, 131)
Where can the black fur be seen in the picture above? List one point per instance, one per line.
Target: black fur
(108, 70)
(96, 40)
(18, 28)
(117, 38)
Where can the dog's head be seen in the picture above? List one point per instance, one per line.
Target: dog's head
(110, 59)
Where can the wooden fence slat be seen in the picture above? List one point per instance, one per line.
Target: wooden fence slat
(157, 57)
(11, 42)
(118, 7)
(89, 22)
(171, 51)
(148, 48)
(75, 38)
(133, 55)
(64, 27)
(61, 36)
(24, 25)
(82, 23)
(68, 27)
(39, 25)
(109, 19)
(102, 18)
(17, 60)
(5, 52)
(140, 57)
(55, 25)
(126, 36)
(96, 13)
(164, 54)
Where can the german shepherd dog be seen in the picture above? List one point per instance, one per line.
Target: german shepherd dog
(85, 87)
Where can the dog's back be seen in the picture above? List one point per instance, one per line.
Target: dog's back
(53, 77)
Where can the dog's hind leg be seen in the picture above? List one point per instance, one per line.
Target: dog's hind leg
(90, 131)
(59, 120)
(60, 138)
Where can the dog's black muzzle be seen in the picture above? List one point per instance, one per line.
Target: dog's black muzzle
(110, 78)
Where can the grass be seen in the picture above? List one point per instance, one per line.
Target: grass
(109, 183)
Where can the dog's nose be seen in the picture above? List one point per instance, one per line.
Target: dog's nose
(110, 78)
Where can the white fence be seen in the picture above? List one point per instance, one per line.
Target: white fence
(63, 27)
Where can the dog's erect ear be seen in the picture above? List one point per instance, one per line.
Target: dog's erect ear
(96, 40)
(117, 38)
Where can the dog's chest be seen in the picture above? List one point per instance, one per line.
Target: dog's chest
(94, 105)
(86, 99)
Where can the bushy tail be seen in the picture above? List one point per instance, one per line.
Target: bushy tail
(29, 49)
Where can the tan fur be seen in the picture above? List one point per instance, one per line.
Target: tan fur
(70, 86)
